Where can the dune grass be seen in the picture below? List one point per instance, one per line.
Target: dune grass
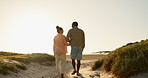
(2, 53)
(5, 67)
(12, 61)
(97, 64)
(127, 60)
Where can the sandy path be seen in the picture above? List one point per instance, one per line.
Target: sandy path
(86, 71)
(38, 71)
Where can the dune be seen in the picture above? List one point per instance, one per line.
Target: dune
(35, 70)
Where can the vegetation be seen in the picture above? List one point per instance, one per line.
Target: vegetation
(9, 53)
(127, 60)
(4, 67)
(12, 61)
(97, 64)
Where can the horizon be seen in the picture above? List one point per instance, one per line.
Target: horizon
(90, 53)
(29, 26)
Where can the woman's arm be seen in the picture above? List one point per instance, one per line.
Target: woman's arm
(54, 46)
(65, 42)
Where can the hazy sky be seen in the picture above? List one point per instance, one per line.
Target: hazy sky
(29, 25)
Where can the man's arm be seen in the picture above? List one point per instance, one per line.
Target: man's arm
(83, 42)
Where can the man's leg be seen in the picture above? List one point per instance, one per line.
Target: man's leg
(78, 66)
(73, 57)
(79, 57)
(73, 64)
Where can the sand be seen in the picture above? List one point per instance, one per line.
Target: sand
(39, 71)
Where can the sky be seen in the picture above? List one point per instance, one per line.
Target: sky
(29, 26)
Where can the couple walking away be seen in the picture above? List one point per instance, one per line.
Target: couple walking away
(76, 39)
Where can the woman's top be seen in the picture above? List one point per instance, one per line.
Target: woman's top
(60, 44)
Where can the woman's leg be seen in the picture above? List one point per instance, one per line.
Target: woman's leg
(57, 63)
(63, 63)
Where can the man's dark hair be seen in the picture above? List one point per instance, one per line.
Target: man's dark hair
(74, 24)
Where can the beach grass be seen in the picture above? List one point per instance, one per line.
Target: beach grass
(13, 61)
(127, 60)
(97, 64)
(5, 67)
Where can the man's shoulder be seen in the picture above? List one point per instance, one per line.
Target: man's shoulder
(80, 30)
(70, 29)
(75, 29)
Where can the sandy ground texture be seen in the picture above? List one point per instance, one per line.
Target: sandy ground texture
(40, 71)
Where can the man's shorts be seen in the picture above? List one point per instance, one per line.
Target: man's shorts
(76, 53)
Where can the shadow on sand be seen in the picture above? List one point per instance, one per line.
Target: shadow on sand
(80, 76)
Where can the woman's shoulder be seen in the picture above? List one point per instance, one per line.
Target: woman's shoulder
(56, 36)
(63, 35)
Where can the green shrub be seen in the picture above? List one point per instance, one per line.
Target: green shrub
(97, 64)
(127, 60)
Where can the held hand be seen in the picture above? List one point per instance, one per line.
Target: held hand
(68, 44)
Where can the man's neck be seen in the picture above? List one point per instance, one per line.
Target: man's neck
(75, 27)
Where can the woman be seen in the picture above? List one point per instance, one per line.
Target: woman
(60, 50)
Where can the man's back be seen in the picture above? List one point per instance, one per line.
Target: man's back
(76, 37)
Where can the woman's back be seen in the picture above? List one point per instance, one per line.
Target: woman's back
(60, 44)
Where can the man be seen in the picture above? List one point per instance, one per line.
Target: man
(76, 38)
